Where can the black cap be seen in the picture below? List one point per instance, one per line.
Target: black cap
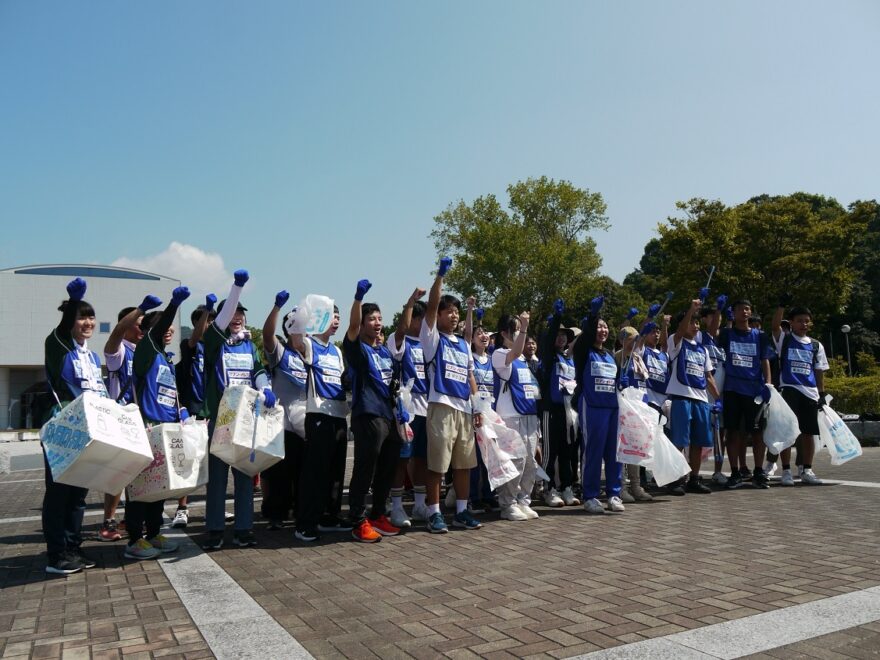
(239, 307)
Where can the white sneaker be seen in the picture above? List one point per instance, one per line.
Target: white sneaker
(399, 518)
(594, 506)
(787, 478)
(513, 512)
(719, 479)
(800, 471)
(809, 477)
(769, 468)
(626, 496)
(552, 499)
(181, 518)
(615, 504)
(450, 498)
(528, 511)
(568, 497)
(420, 512)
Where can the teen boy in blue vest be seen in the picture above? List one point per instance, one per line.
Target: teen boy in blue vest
(450, 424)
(802, 364)
(376, 441)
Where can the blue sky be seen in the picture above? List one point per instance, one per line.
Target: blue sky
(313, 143)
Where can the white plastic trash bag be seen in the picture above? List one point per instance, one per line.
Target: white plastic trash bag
(841, 443)
(636, 427)
(500, 467)
(782, 428)
(248, 435)
(507, 439)
(96, 443)
(180, 462)
(312, 315)
(668, 464)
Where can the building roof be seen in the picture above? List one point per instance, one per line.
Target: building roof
(85, 270)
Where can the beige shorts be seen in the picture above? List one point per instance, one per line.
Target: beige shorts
(450, 439)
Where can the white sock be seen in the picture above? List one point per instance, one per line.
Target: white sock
(419, 495)
(433, 508)
(397, 502)
(460, 505)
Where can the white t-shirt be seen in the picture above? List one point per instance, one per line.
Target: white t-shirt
(430, 338)
(115, 362)
(676, 387)
(806, 344)
(419, 400)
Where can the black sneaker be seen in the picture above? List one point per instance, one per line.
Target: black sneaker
(64, 564)
(745, 473)
(214, 541)
(760, 480)
(695, 486)
(244, 539)
(334, 525)
(83, 558)
(306, 535)
(734, 481)
(275, 525)
(675, 488)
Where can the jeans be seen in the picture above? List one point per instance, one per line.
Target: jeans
(215, 502)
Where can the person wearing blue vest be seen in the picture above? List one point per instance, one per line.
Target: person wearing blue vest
(155, 387)
(71, 369)
(119, 357)
(690, 379)
(559, 437)
(280, 482)
(450, 424)
(319, 499)
(480, 496)
(747, 384)
(406, 349)
(230, 359)
(803, 364)
(377, 443)
(712, 318)
(598, 379)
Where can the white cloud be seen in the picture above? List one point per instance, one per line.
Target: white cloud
(203, 272)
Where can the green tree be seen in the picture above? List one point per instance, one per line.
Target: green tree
(524, 256)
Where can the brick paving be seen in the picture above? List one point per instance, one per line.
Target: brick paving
(560, 586)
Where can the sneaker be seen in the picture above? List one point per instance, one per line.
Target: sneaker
(420, 512)
(366, 533)
(809, 477)
(399, 518)
(594, 506)
(696, 486)
(675, 488)
(83, 558)
(64, 564)
(334, 525)
(306, 535)
(760, 480)
(640, 494)
(384, 526)
(244, 539)
(787, 478)
(719, 479)
(513, 512)
(800, 471)
(475, 508)
(228, 517)
(616, 504)
(450, 498)
(491, 504)
(163, 544)
(465, 520)
(214, 541)
(626, 497)
(109, 531)
(141, 549)
(734, 481)
(436, 524)
(769, 468)
(181, 519)
(568, 497)
(745, 473)
(275, 524)
(552, 499)
(531, 514)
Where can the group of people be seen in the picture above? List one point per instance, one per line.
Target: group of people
(709, 384)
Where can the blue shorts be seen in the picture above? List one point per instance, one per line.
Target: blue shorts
(691, 423)
(419, 445)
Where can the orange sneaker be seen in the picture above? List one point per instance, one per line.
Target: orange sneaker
(365, 533)
(384, 526)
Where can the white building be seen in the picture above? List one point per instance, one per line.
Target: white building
(29, 300)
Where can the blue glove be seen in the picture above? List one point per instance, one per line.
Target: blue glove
(730, 313)
(704, 293)
(210, 301)
(478, 312)
(149, 302)
(281, 299)
(401, 415)
(623, 383)
(653, 309)
(241, 277)
(179, 294)
(649, 328)
(362, 287)
(184, 414)
(765, 393)
(445, 263)
(721, 302)
(717, 407)
(76, 289)
(632, 312)
(596, 305)
(558, 307)
(270, 397)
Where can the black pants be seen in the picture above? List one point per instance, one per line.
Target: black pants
(559, 447)
(141, 514)
(63, 510)
(376, 451)
(280, 482)
(323, 470)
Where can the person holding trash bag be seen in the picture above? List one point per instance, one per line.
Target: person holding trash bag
(802, 363)
(598, 378)
(155, 387)
(71, 369)
(230, 359)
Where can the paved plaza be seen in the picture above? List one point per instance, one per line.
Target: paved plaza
(784, 573)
